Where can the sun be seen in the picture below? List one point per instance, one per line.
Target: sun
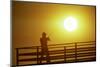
(70, 23)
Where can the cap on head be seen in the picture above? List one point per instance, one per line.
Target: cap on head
(44, 34)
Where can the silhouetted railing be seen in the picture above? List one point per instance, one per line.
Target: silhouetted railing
(59, 53)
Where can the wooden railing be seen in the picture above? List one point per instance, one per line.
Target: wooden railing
(59, 53)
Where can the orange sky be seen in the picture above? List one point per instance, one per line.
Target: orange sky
(30, 19)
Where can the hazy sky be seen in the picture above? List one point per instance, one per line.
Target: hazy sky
(30, 19)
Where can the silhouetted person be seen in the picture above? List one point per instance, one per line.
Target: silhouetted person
(44, 47)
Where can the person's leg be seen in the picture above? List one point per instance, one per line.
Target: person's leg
(41, 59)
(47, 56)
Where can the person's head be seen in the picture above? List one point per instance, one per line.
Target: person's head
(43, 34)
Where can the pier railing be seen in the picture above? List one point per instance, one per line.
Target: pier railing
(59, 53)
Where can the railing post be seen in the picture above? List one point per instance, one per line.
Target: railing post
(75, 52)
(37, 54)
(17, 56)
(64, 53)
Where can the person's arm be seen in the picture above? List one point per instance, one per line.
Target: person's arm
(48, 38)
(40, 41)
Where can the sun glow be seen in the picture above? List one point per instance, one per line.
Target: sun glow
(70, 23)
